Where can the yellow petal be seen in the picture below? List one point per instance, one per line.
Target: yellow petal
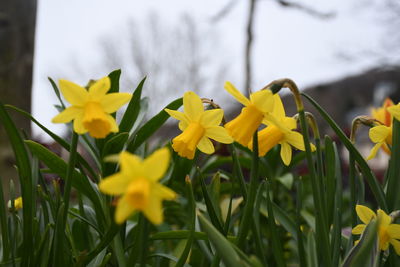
(379, 133)
(192, 106)
(295, 139)
(385, 219)
(211, 117)
(157, 164)
(164, 192)
(68, 114)
(131, 165)
(263, 100)
(182, 125)
(115, 184)
(278, 110)
(73, 93)
(219, 134)
(374, 150)
(394, 231)
(176, 114)
(123, 210)
(396, 244)
(153, 211)
(395, 111)
(112, 102)
(236, 94)
(78, 125)
(98, 90)
(364, 213)
(358, 230)
(286, 153)
(205, 145)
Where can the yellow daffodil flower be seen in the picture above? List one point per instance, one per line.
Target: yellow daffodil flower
(256, 109)
(91, 108)
(137, 184)
(381, 135)
(279, 131)
(197, 127)
(387, 231)
(17, 203)
(394, 110)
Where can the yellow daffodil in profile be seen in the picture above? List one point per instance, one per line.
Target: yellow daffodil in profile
(280, 131)
(197, 127)
(388, 233)
(91, 108)
(247, 122)
(381, 135)
(137, 184)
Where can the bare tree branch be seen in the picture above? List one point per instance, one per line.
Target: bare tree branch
(305, 9)
(224, 11)
(249, 48)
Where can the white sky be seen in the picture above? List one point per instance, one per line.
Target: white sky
(287, 43)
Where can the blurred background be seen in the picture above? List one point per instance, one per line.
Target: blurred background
(345, 53)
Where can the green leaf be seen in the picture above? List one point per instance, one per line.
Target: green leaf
(133, 109)
(286, 180)
(393, 181)
(56, 91)
(114, 77)
(369, 176)
(222, 245)
(152, 125)
(5, 242)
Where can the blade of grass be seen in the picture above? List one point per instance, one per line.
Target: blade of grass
(5, 242)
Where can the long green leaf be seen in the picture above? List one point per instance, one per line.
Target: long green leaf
(5, 242)
(222, 245)
(393, 181)
(114, 77)
(369, 176)
(152, 125)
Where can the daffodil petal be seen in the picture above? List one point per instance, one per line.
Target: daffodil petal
(295, 139)
(205, 145)
(219, 134)
(123, 210)
(177, 115)
(278, 110)
(78, 125)
(153, 211)
(157, 164)
(263, 100)
(364, 213)
(286, 153)
(385, 219)
(396, 244)
(394, 231)
(68, 114)
(192, 106)
(211, 117)
(374, 150)
(114, 127)
(358, 230)
(384, 246)
(73, 93)
(379, 133)
(131, 165)
(182, 125)
(236, 94)
(164, 192)
(395, 111)
(98, 90)
(115, 184)
(112, 102)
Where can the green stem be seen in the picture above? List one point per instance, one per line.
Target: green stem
(300, 242)
(249, 206)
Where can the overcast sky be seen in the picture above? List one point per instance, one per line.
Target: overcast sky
(287, 43)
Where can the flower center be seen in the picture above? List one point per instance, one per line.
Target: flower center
(268, 138)
(185, 144)
(138, 193)
(243, 126)
(95, 120)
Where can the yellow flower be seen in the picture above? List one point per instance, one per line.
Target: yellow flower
(17, 203)
(394, 110)
(197, 127)
(382, 134)
(279, 131)
(387, 232)
(247, 122)
(137, 184)
(91, 108)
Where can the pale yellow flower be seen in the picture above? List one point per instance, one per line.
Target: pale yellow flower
(197, 127)
(138, 187)
(91, 108)
(388, 233)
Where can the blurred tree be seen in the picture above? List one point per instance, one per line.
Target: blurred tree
(17, 31)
